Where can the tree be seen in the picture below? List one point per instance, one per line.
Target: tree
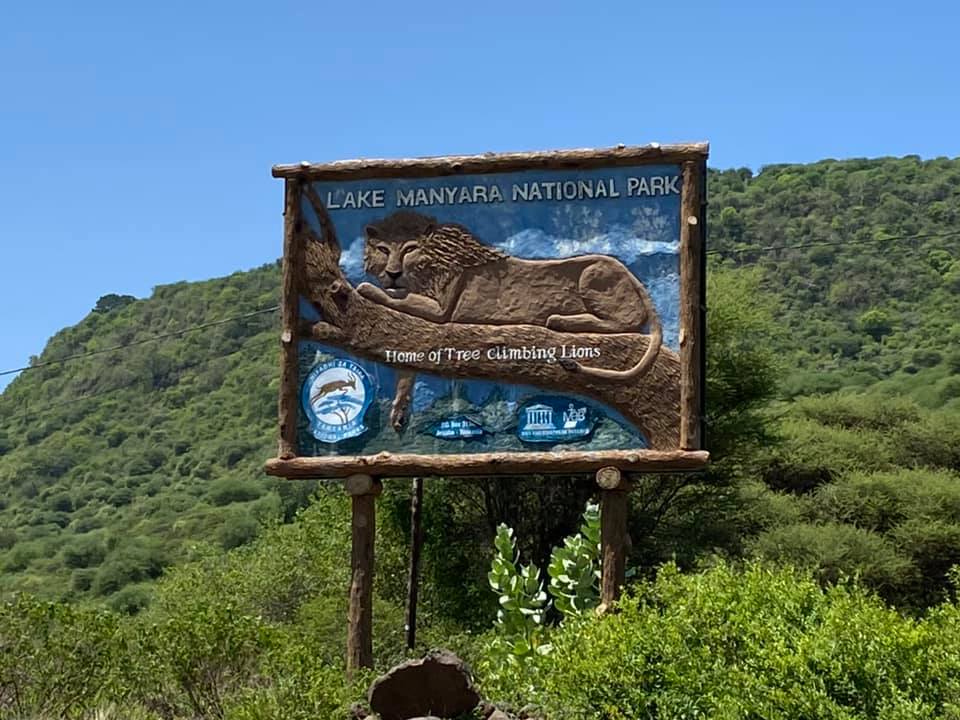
(108, 303)
(876, 323)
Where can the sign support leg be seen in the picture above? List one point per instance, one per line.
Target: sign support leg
(613, 534)
(416, 545)
(363, 491)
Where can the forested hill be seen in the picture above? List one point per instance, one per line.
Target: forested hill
(868, 271)
(112, 465)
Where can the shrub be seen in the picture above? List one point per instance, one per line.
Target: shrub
(753, 643)
(129, 563)
(574, 568)
(58, 660)
(230, 490)
(864, 412)
(238, 529)
(835, 551)
(201, 656)
(83, 551)
(926, 358)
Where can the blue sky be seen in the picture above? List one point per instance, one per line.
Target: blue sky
(136, 139)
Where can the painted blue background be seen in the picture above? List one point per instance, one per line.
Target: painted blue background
(642, 231)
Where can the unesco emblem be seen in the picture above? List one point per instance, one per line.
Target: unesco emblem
(336, 396)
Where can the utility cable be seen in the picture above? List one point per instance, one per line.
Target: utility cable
(143, 341)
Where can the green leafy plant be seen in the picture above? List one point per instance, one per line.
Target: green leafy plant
(574, 568)
(523, 601)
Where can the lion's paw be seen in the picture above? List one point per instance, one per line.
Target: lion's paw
(398, 416)
(368, 291)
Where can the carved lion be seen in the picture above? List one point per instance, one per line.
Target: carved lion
(442, 273)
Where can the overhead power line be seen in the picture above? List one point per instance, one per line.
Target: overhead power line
(123, 386)
(142, 341)
(274, 308)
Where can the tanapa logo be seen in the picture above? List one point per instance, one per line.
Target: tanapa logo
(336, 395)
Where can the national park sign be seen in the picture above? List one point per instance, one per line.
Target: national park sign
(495, 314)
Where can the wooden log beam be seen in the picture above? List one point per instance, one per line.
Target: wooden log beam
(620, 155)
(483, 464)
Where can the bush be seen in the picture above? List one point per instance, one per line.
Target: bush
(230, 490)
(859, 412)
(129, 563)
(238, 529)
(926, 358)
(201, 656)
(300, 688)
(58, 660)
(836, 551)
(131, 599)
(756, 643)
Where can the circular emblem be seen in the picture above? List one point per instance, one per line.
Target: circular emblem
(336, 396)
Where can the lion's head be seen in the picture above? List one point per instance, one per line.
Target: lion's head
(409, 252)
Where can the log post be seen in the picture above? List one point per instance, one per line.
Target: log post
(691, 311)
(613, 534)
(289, 365)
(416, 544)
(363, 491)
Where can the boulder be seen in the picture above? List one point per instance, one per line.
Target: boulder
(437, 685)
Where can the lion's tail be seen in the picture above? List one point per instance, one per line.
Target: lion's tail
(653, 349)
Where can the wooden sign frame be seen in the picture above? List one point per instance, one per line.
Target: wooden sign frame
(688, 453)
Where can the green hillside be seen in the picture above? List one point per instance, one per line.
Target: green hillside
(870, 289)
(113, 466)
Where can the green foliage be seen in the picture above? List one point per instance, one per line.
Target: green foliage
(836, 551)
(108, 303)
(742, 364)
(224, 491)
(523, 601)
(58, 661)
(856, 299)
(759, 642)
(202, 655)
(299, 687)
(84, 551)
(170, 435)
(876, 323)
(574, 568)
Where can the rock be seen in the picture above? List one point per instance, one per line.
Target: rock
(436, 685)
(498, 715)
(359, 712)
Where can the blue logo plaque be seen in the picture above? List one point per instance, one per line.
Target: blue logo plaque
(335, 396)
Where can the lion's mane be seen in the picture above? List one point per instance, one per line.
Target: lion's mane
(446, 250)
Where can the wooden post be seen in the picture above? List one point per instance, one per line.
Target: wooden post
(363, 491)
(416, 544)
(289, 366)
(613, 534)
(691, 312)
